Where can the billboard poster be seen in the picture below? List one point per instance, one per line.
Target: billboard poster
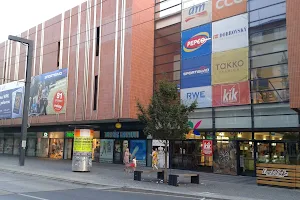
(230, 33)
(207, 147)
(197, 13)
(231, 94)
(196, 41)
(226, 8)
(230, 66)
(196, 72)
(202, 95)
(48, 93)
(106, 150)
(138, 148)
(11, 100)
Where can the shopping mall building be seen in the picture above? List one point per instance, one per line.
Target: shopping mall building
(238, 59)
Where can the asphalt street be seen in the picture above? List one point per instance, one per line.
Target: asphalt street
(23, 187)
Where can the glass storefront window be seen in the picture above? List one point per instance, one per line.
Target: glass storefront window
(42, 147)
(270, 47)
(269, 72)
(1, 145)
(17, 145)
(263, 153)
(31, 146)
(233, 135)
(56, 148)
(8, 145)
(268, 35)
(269, 59)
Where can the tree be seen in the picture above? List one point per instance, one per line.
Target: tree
(166, 118)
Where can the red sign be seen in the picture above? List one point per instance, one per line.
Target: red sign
(207, 147)
(231, 94)
(58, 101)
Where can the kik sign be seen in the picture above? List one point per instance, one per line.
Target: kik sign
(202, 95)
(196, 14)
(231, 94)
(196, 42)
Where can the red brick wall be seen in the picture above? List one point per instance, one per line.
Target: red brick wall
(138, 59)
(293, 34)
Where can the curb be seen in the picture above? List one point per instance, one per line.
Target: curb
(109, 187)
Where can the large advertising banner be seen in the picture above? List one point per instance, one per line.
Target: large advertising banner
(196, 42)
(196, 72)
(11, 100)
(230, 66)
(106, 150)
(48, 93)
(138, 149)
(196, 13)
(231, 94)
(226, 8)
(230, 33)
(202, 95)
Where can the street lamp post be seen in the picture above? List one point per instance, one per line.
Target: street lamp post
(29, 44)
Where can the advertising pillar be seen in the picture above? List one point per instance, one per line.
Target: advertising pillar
(82, 150)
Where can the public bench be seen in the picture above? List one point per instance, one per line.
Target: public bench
(173, 178)
(138, 174)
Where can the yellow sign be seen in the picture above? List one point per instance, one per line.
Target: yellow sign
(118, 125)
(83, 144)
(230, 66)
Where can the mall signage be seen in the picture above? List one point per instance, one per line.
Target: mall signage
(207, 147)
(231, 94)
(48, 93)
(124, 134)
(11, 100)
(196, 72)
(196, 14)
(230, 66)
(202, 95)
(230, 33)
(226, 8)
(196, 42)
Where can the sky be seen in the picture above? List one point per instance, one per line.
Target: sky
(17, 16)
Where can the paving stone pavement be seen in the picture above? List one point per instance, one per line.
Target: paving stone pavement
(211, 185)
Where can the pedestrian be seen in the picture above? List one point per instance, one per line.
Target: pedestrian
(133, 164)
(154, 159)
(126, 159)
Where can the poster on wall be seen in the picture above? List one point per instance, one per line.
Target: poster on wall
(11, 100)
(231, 94)
(230, 33)
(207, 147)
(196, 72)
(48, 93)
(226, 8)
(230, 66)
(196, 42)
(202, 95)
(138, 149)
(196, 13)
(106, 150)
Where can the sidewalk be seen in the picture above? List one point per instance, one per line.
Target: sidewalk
(211, 185)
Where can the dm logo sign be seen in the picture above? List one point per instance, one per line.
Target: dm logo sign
(196, 41)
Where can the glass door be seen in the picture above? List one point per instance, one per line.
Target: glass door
(68, 149)
(246, 158)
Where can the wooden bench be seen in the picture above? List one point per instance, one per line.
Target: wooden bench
(138, 174)
(173, 178)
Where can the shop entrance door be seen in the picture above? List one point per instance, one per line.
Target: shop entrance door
(246, 158)
(119, 150)
(68, 149)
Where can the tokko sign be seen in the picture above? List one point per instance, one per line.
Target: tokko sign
(196, 15)
(231, 94)
(227, 8)
(230, 66)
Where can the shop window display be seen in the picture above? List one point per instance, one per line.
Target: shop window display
(56, 148)
(225, 157)
(8, 145)
(42, 147)
(31, 147)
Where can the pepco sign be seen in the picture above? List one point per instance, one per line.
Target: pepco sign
(227, 8)
(196, 41)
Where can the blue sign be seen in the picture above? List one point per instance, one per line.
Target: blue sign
(196, 41)
(138, 149)
(196, 72)
(11, 100)
(202, 95)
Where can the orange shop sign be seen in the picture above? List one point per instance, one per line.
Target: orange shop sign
(231, 94)
(227, 8)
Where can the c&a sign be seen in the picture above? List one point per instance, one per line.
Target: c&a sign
(227, 8)
(230, 66)
(196, 42)
(196, 13)
(231, 94)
